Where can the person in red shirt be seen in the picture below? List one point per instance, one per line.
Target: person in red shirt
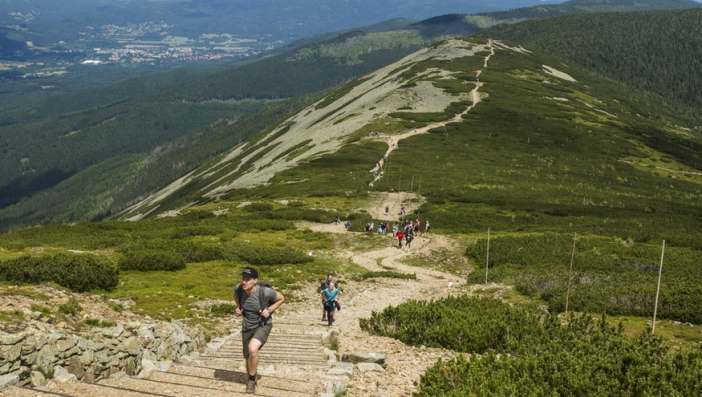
(400, 236)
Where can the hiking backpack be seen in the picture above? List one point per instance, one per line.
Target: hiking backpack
(239, 292)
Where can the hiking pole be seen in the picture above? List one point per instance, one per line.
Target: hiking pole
(570, 274)
(487, 263)
(658, 290)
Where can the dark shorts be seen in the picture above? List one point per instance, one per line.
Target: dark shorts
(260, 334)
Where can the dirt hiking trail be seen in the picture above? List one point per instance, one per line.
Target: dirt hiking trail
(297, 361)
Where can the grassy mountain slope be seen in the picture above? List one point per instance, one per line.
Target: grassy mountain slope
(550, 150)
(376, 101)
(140, 109)
(658, 52)
(41, 152)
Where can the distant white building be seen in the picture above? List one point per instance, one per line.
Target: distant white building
(91, 62)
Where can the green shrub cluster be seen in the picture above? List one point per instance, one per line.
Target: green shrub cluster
(255, 207)
(388, 274)
(148, 260)
(610, 275)
(223, 310)
(189, 250)
(78, 272)
(516, 352)
(262, 255)
(71, 307)
(302, 214)
(463, 324)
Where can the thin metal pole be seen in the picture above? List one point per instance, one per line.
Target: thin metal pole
(487, 263)
(419, 185)
(570, 274)
(658, 290)
(412, 184)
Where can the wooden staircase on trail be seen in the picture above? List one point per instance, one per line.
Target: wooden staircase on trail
(292, 364)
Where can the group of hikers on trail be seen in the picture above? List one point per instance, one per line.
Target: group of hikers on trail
(408, 232)
(255, 304)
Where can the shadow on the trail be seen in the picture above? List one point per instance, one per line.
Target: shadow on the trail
(232, 376)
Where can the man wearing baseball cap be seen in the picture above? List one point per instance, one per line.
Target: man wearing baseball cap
(256, 304)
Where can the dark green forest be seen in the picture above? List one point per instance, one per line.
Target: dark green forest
(588, 6)
(659, 52)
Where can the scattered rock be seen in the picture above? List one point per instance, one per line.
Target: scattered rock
(37, 379)
(8, 380)
(363, 368)
(356, 358)
(61, 375)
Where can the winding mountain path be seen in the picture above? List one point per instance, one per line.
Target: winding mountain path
(295, 361)
(394, 140)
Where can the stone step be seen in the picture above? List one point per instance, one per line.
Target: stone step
(267, 355)
(234, 380)
(15, 391)
(129, 387)
(264, 361)
(317, 341)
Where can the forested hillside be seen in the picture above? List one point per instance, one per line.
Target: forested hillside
(482, 138)
(658, 52)
(587, 6)
(48, 141)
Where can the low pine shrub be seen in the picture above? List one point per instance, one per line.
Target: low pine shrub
(388, 274)
(262, 255)
(585, 357)
(79, 273)
(71, 307)
(517, 352)
(257, 207)
(150, 260)
(190, 251)
(463, 323)
(193, 252)
(222, 310)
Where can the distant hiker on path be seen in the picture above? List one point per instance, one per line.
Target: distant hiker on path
(427, 227)
(399, 235)
(348, 226)
(387, 208)
(330, 298)
(325, 285)
(408, 238)
(256, 304)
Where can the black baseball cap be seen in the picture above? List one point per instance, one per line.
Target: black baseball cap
(249, 272)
